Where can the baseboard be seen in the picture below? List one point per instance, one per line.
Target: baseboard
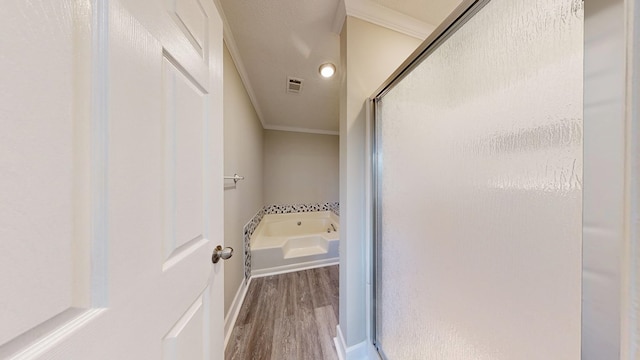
(294, 267)
(341, 346)
(234, 310)
(361, 351)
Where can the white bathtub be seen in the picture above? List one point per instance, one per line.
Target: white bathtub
(290, 242)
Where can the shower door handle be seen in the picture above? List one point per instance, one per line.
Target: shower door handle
(220, 253)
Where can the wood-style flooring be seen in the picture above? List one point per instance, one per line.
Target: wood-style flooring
(288, 317)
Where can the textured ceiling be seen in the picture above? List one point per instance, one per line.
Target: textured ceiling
(428, 11)
(273, 39)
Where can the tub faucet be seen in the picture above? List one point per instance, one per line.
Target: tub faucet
(334, 228)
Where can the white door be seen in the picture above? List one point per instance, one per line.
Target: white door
(110, 179)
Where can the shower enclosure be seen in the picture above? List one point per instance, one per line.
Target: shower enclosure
(478, 188)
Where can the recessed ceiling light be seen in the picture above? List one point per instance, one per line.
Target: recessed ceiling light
(327, 70)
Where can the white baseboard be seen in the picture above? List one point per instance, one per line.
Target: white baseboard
(341, 346)
(232, 315)
(361, 351)
(294, 267)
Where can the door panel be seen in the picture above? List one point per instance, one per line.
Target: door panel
(192, 19)
(186, 338)
(42, 183)
(170, 24)
(122, 185)
(480, 191)
(185, 113)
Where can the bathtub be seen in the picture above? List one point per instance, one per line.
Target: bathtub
(291, 242)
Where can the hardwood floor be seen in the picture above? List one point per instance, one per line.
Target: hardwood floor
(288, 317)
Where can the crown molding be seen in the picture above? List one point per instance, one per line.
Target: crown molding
(375, 13)
(366, 10)
(301, 130)
(338, 20)
(235, 56)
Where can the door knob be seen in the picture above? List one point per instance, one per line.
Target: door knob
(220, 253)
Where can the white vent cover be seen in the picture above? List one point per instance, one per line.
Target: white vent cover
(294, 85)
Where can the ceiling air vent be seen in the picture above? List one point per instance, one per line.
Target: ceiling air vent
(294, 85)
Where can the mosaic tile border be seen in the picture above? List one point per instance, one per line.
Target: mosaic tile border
(335, 208)
(301, 208)
(251, 225)
(247, 231)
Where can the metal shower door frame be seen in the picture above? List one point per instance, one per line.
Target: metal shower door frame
(627, 11)
(463, 13)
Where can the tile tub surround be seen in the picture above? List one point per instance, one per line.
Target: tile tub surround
(247, 231)
(252, 224)
(335, 208)
(300, 208)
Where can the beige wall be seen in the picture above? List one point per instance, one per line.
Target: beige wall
(243, 144)
(300, 168)
(369, 53)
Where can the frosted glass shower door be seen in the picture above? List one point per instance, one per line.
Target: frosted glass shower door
(479, 185)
